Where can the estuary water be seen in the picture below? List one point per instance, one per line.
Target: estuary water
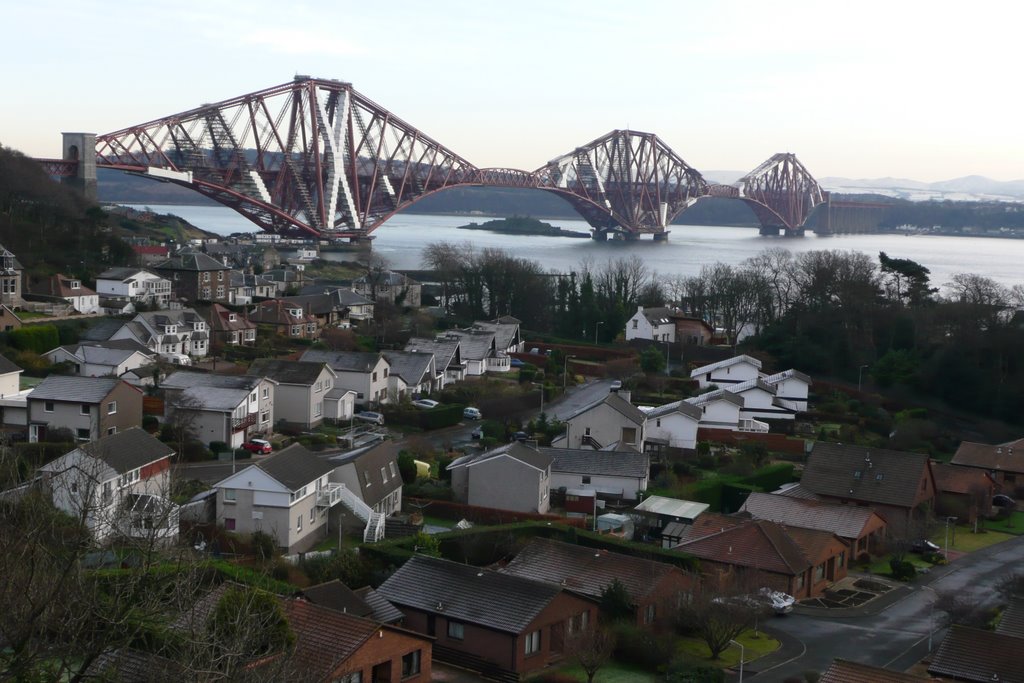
(402, 238)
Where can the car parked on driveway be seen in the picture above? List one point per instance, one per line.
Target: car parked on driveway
(425, 403)
(258, 446)
(1001, 500)
(471, 413)
(516, 363)
(477, 433)
(369, 416)
(923, 545)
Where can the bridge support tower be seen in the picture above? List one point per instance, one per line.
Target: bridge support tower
(81, 147)
(661, 236)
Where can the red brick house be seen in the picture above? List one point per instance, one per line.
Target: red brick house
(898, 485)
(962, 492)
(655, 588)
(288, 320)
(1004, 461)
(845, 671)
(483, 620)
(801, 562)
(229, 328)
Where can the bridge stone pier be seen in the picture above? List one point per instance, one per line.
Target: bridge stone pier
(81, 149)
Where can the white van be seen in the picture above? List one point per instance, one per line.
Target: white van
(176, 358)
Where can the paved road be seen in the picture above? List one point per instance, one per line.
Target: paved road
(897, 637)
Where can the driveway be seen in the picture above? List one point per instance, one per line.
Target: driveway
(898, 635)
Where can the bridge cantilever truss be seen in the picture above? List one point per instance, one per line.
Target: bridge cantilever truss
(315, 157)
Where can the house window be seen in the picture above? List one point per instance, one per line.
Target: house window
(819, 572)
(252, 397)
(112, 408)
(318, 387)
(111, 431)
(411, 664)
(229, 523)
(296, 330)
(206, 277)
(366, 477)
(312, 514)
(384, 475)
(230, 495)
(456, 630)
(841, 560)
(800, 580)
(48, 406)
(394, 473)
(266, 392)
(318, 410)
(629, 435)
(83, 434)
(298, 523)
(1007, 479)
(585, 479)
(657, 422)
(84, 409)
(354, 677)
(385, 372)
(375, 377)
(265, 417)
(635, 324)
(533, 642)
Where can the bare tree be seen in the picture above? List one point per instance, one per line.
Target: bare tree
(721, 611)
(591, 648)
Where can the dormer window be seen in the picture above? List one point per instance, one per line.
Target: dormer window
(231, 317)
(75, 284)
(857, 474)
(296, 312)
(170, 329)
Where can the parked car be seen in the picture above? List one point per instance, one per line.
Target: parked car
(781, 603)
(471, 413)
(258, 446)
(425, 403)
(520, 436)
(616, 385)
(516, 363)
(477, 433)
(923, 545)
(1001, 500)
(369, 416)
(175, 358)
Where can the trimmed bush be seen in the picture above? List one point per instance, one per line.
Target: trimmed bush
(38, 338)
(902, 570)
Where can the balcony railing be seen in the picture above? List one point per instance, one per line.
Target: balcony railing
(329, 496)
(240, 423)
(753, 425)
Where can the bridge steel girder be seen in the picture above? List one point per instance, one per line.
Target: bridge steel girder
(781, 192)
(311, 157)
(624, 180)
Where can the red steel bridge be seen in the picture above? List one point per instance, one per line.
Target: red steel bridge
(315, 158)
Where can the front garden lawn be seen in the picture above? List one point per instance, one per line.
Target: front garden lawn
(612, 672)
(1014, 525)
(754, 647)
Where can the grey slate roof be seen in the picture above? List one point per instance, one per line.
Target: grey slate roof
(717, 395)
(195, 261)
(757, 382)
(74, 389)
(295, 466)
(846, 521)
(465, 593)
(287, 371)
(475, 345)
(337, 596)
(728, 362)
(586, 571)
(786, 374)
(408, 365)
(890, 478)
(8, 366)
(504, 332)
(183, 379)
(119, 273)
(445, 350)
(1011, 622)
(683, 407)
(128, 450)
(1005, 457)
(343, 361)
(383, 611)
(602, 463)
(108, 352)
(613, 400)
(103, 330)
(516, 450)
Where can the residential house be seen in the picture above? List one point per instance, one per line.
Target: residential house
(480, 351)
(656, 589)
(672, 428)
(613, 475)
(656, 324)
(899, 486)
(610, 423)
(334, 306)
(102, 359)
(287, 279)
(135, 285)
(361, 372)
(512, 477)
(389, 286)
(759, 401)
(845, 671)
(71, 290)
(286, 495)
(363, 602)
(668, 518)
(962, 492)
(226, 408)
(721, 409)
(862, 528)
(116, 485)
(287, 320)
(150, 253)
(174, 331)
(1004, 461)
(447, 358)
(9, 320)
(13, 399)
(91, 407)
(10, 279)
(791, 389)
(246, 288)
(693, 331)
(371, 475)
(195, 276)
(506, 333)
(800, 562)
(730, 371)
(299, 391)
(971, 654)
(230, 328)
(485, 620)
(10, 377)
(417, 373)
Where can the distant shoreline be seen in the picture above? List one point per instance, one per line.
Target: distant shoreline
(519, 225)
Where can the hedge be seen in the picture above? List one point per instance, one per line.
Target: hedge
(38, 338)
(771, 477)
(446, 415)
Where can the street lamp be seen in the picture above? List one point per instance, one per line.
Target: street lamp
(860, 375)
(565, 370)
(948, 520)
(931, 615)
(667, 347)
(596, 328)
(742, 650)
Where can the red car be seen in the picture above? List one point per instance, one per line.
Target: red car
(258, 446)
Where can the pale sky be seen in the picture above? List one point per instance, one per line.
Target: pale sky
(921, 90)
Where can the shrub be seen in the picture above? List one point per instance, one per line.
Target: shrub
(681, 469)
(150, 423)
(279, 570)
(639, 647)
(902, 570)
(218, 447)
(263, 545)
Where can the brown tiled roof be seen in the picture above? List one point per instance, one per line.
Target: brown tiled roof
(846, 521)
(586, 571)
(278, 312)
(220, 319)
(755, 543)
(812, 541)
(844, 671)
(1012, 621)
(127, 665)
(711, 523)
(324, 637)
(969, 654)
(885, 477)
(957, 479)
(1007, 457)
(337, 596)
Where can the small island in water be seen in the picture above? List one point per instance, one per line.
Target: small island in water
(523, 225)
